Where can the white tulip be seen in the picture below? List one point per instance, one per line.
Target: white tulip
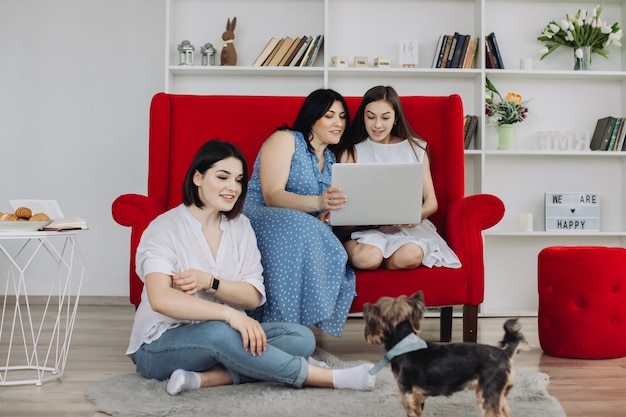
(564, 24)
(554, 27)
(579, 53)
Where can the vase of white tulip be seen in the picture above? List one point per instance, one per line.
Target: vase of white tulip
(585, 32)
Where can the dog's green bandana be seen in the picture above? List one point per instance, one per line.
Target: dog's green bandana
(409, 344)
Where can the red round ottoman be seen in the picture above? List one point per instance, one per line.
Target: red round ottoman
(582, 301)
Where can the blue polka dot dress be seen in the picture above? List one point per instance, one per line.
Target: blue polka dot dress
(307, 279)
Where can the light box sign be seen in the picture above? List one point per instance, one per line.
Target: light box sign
(572, 211)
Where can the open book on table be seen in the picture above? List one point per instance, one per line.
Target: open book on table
(52, 209)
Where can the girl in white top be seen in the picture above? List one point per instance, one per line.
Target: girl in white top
(201, 269)
(382, 134)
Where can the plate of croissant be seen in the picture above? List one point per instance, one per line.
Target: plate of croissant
(23, 220)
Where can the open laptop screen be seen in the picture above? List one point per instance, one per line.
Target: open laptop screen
(378, 193)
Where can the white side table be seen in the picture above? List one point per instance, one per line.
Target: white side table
(35, 340)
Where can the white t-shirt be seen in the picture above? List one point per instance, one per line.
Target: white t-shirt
(174, 242)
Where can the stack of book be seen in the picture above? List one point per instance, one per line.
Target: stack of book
(455, 51)
(609, 134)
(493, 58)
(301, 51)
(470, 125)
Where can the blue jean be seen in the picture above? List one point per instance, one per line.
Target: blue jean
(199, 347)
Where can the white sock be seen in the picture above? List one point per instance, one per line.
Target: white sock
(357, 378)
(182, 380)
(317, 363)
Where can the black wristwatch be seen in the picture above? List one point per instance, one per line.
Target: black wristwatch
(214, 285)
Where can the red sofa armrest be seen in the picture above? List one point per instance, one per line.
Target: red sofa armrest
(466, 220)
(135, 211)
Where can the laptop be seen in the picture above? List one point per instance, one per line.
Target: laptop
(378, 193)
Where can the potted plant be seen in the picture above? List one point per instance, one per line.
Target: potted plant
(504, 112)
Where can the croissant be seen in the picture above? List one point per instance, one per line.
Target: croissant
(37, 217)
(23, 213)
(8, 217)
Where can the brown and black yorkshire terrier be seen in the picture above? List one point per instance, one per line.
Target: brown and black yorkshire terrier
(440, 368)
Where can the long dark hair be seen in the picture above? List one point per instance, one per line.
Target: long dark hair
(401, 127)
(314, 107)
(208, 155)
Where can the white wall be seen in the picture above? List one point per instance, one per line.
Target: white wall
(76, 79)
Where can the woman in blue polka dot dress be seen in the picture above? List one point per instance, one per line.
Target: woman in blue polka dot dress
(307, 278)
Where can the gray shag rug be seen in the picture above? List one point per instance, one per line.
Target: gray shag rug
(131, 395)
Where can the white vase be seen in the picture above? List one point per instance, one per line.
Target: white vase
(583, 63)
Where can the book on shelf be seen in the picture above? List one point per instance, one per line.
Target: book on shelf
(436, 54)
(295, 62)
(281, 51)
(453, 51)
(602, 133)
(471, 53)
(288, 52)
(273, 53)
(441, 46)
(495, 49)
(470, 125)
(619, 143)
(307, 52)
(291, 54)
(319, 42)
(614, 134)
(267, 50)
(490, 59)
(463, 52)
(306, 58)
(459, 50)
(446, 51)
(453, 44)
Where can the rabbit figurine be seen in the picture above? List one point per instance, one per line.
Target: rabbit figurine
(228, 56)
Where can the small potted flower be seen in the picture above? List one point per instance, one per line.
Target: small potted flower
(504, 112)
(586, 32)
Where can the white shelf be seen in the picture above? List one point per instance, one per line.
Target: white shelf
(562, 100)
(209, 71)
(564, 154)
(406, 72)
(556, 74)
(533, 234)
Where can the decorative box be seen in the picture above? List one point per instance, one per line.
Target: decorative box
(339, 61)
(360, 62)
(382, 62)
(407, 52)
(572, 211)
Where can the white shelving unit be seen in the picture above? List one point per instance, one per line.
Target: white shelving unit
(564, 103)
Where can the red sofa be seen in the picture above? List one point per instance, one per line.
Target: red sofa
(179, 124)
